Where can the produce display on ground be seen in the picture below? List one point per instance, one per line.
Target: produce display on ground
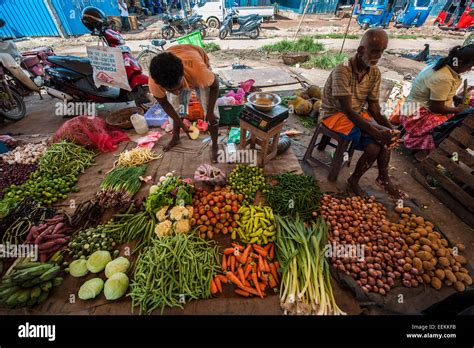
(246, 180)
(293, 195)
(50, 236)
(274, 234)
(15, 227)
(25, 154)
(252, 269)
(410, 249)
(172, 271)
(30, 283)
(136, 157)
(306, 279)
(14, 174)
(216, 212)
(119, 186)
(257, 225)
(87, 241)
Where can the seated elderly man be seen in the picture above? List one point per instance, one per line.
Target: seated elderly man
(350, 106)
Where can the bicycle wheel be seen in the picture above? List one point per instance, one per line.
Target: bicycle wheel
(144, 59)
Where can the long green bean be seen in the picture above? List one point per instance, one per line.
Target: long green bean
(171, 269)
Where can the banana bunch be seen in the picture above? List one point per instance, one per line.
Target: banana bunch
(30, 283)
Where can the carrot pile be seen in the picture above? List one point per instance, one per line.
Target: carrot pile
(252, 269)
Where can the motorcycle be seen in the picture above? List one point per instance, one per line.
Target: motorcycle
(12, 105)
(248, 25)
(182, 26)
(24, 71)
(71, 78)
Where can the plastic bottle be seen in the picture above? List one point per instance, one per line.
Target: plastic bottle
(139, 123)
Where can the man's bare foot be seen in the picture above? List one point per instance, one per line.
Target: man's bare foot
(214, 152)
(390, 188)
(174, 141)
(354, 186)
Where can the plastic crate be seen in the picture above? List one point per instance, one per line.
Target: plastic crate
(192, 39)
(229, 114)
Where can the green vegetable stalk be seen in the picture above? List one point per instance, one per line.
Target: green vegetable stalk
(119, 186)
(294, 195)
(306, 284)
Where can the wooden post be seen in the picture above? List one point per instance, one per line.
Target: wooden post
(302, 18)
(348, 26)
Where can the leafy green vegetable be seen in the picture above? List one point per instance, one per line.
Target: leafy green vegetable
(91, 288)
(97, 261)
(119, 265)
(116, 286)
(78, 268)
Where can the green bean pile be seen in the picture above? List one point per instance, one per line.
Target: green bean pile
(293, 195)
(174, 270)
(66, 158)
(139, 227)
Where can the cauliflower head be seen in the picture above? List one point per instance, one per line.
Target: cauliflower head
(182, 226)
(163, 228)
(161, 214)
(178, 213)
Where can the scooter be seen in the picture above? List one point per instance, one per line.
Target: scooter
(29, 76)
(71, 78)
(248, 25)
(178, 25)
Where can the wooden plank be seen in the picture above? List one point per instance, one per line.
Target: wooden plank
(443, 195)
(450, 147)
(462, 135)
(265, 77)
(453, 167)
(449, 185)
(469, 121)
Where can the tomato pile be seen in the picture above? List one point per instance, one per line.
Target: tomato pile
(216, 212)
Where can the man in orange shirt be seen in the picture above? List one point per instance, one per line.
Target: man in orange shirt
(174, 75)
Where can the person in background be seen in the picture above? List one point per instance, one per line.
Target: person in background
(350, 107)
(174, 74)
(124, 15)
(433, 100)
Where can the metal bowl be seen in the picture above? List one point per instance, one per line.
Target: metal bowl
(253, 98)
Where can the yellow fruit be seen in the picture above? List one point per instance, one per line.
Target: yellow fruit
(314, 92)
(317, 105)
(193, 132)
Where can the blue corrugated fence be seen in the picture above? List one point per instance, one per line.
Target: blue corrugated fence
(27, 18)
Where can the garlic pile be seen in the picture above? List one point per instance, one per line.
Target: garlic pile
(26, 154)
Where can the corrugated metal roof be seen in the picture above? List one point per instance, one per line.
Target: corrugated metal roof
(26, 18)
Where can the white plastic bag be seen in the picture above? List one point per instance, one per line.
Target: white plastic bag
(109, 69)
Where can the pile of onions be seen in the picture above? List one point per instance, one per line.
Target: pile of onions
(14, 174)
(26, 154)
(362, 222)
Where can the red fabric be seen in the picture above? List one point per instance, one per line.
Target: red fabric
(92, 132)
(419, 126)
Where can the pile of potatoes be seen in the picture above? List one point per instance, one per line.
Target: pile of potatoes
(429, 253)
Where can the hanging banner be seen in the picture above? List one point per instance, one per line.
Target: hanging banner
(109, 69)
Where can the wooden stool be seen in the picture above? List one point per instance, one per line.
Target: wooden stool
(262, 138)
(343, 145)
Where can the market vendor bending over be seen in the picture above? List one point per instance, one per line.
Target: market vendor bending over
(174, 75)
(350, 106)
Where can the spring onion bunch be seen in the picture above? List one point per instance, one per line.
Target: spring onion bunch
(119, 186)
(306, 281)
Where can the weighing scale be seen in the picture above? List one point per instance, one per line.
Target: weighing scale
(264, 120)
